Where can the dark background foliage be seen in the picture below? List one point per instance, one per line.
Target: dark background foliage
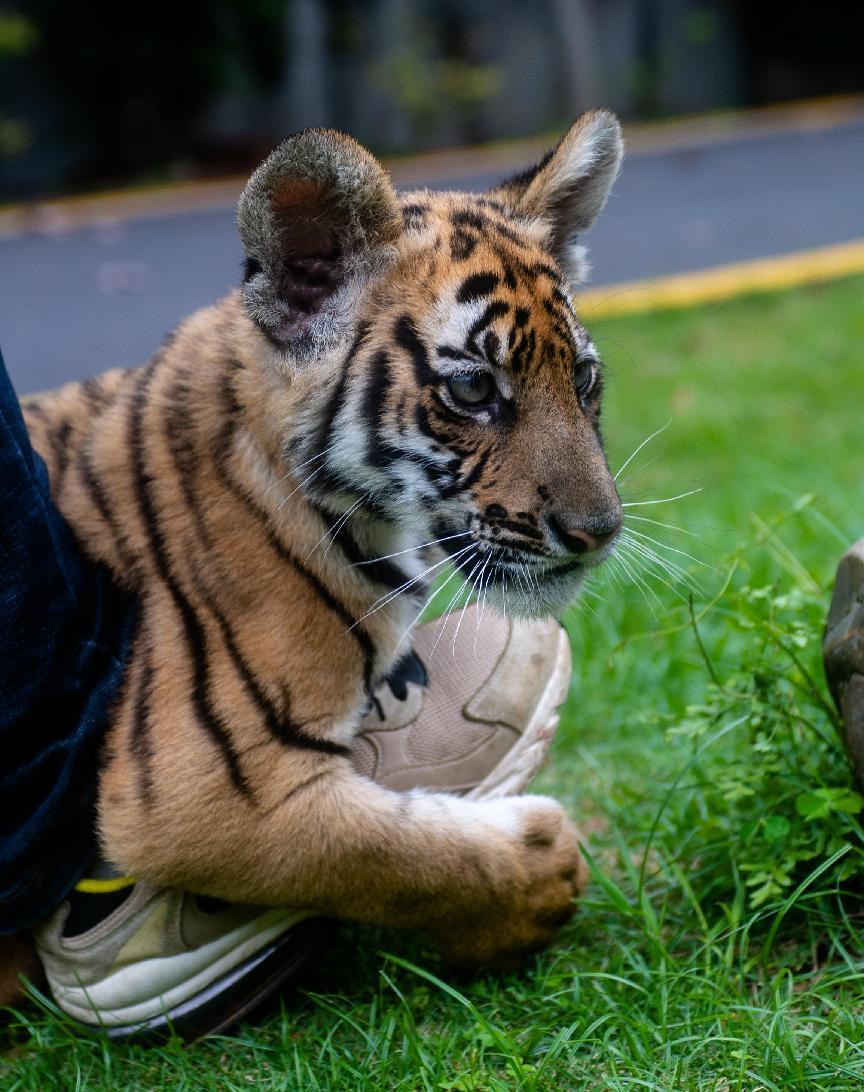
(100, 94)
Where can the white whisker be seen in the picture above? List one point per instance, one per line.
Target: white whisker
(481, 598)
(337, 527)
(663, 500)
(388, 597)
(435, 591)
(647, 440)
(636, 578)
(292, 472)
(285, 500)
(447, 612)
(471, 590)
(667, 526)
(411, 549)
(649, 559)
(319, 455)
(467, 587)
(663, 564)
(485, 593)
(612, 569)
(674, 549)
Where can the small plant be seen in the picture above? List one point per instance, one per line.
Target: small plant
(775, 788)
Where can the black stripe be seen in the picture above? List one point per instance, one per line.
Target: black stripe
(478, 468)
(373, 403)
(559, 313)
(494, 310)
(543, 269)
(183, 453)
(196, 640)
(424, 424)
(485, 224)
(94, 393)
(279, 724)
(337, 399)
(469, 218)
(407, 338)
(140, 743)
(262, 518)
(476, 286)
(99, 498)
(517, 528)
(330, 481)
(414, 216)
(461, 484)
(378, 571)
(492, 347)
(59, 440)
(523, 353)
(509, 233)
(559, 323)
(462, 245)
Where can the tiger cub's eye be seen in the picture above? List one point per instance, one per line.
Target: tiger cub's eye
(583, 375)
(471, 388)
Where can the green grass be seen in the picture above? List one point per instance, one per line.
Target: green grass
(718, 946)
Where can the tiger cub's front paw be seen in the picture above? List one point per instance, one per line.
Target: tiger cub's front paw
(546, 871)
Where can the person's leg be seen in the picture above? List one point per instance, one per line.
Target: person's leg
(64, 629)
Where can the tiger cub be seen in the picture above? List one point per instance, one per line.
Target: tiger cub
(399, 380)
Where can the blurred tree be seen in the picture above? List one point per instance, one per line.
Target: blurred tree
(576, 24)
(98, 93)
(18, 37)
(131, 83)
(304, 97)
(794, 52)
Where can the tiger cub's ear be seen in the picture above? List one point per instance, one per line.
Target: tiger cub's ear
(315, 219)
(569, 186)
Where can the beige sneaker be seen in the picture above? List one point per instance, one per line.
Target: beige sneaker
(482, 728)
(134, 959)
(844, 652)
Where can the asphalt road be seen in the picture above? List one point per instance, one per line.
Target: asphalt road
(75, 302)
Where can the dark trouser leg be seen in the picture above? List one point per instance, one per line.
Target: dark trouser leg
(64, 630)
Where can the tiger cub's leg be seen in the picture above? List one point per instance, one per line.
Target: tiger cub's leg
(486, 879)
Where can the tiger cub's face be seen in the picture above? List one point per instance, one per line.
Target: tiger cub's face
(466, 409)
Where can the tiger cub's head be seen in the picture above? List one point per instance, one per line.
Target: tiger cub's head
(445, 385)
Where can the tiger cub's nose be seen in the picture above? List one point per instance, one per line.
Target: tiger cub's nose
(588, 535)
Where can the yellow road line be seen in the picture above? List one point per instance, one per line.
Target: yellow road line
(723, 282)
(104, 887)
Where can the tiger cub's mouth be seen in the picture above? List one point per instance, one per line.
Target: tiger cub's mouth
(516, 567)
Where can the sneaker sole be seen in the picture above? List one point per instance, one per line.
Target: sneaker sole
(518, 768)
(236, 994)
(135, 996)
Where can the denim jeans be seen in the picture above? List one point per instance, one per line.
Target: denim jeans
(65, 630)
